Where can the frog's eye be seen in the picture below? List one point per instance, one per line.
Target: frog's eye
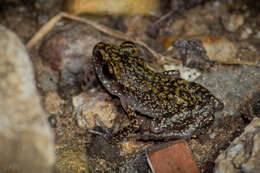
(129, 49)
(108, 71)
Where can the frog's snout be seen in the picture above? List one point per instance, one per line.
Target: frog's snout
(96, 50)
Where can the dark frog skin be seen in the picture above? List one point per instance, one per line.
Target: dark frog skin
(176, 107)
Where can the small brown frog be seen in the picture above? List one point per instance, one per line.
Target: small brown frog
(177, 107)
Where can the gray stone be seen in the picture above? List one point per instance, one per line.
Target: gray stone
(243, 155)
(231, 85)
(26, 141)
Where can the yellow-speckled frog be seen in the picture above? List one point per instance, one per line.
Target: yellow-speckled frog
(177, 107)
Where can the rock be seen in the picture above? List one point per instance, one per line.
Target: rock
(127, 7)
(46, 4)
(68, 51)
(231, 85)
(219, 48)
(232, 22)
(174, 158)
(192, 53)
(245, 34)
(251, 106)
(88, 105)
(26, 141)
(257, 35)
(178, 25)
(243, 155)
(47, 80)
(53, 104)
(69, 47)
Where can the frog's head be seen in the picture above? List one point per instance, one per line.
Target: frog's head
(110, 60)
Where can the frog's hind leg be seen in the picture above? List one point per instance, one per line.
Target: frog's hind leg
(133, 125)
(119, 134)
(171, 135)
(125, 131)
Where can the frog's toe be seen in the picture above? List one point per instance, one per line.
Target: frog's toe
(106, 136)
(109, 137)
(101, 125)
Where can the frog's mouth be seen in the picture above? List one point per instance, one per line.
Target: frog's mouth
(101, 65)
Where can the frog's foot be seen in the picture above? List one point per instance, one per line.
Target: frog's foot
(104, 131)
(120, 134)
(116, 135)
(104, 135)
(109, 137)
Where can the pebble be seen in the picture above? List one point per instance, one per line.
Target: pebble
(232, 22)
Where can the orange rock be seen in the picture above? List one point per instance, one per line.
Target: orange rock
(175, 158)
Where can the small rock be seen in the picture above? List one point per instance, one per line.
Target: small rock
(246, 33)
(251, 106)
(186, 73)
(257, 35)
(219, 48)
(69, 48)
(53, 104)
(47, 81)
(69, 85)
(178, 25)
(50, 7)
(243, 155)
(46, 4)
(192, 53)
(87, 106)
(232, 22)
(195, 27)
(26, 141)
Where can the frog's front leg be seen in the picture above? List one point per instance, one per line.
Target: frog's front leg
(159, 130)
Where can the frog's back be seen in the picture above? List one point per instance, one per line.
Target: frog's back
(169, 96)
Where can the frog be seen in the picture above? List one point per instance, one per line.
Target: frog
(177, 108)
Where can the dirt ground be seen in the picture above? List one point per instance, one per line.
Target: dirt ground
(72, 95)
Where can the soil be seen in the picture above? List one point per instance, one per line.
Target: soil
(73, 96)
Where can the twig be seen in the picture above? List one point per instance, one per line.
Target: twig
(49, 25)
(43, 31)
(248, 63)
(117, 34)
